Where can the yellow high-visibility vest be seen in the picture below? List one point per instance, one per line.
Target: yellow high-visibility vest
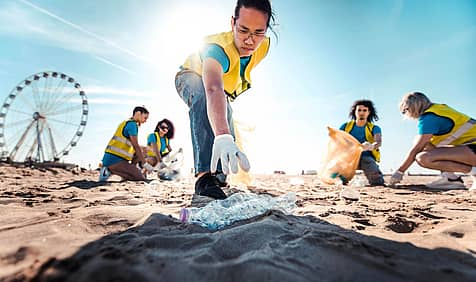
(234, 84)
(120, 145)
(368, 136)
(150, 150)
(463, 131)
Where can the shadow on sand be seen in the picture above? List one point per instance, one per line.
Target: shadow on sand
(413, 187)
(270, 247)
(84, 184)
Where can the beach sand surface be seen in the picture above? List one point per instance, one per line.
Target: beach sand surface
(63, 225)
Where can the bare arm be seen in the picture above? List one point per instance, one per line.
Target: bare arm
(419, 144)
(137, 148)
(378, 140)
(155, 148)
(212, 75)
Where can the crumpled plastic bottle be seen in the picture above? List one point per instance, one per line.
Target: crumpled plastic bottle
(359, 180)
(351, 191)
(338, 183)
(239, 206)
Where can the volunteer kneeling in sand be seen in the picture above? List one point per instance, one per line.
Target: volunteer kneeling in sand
(158, 143)
(362, 114)
(210, 79)
(446, 141)
(123, 151)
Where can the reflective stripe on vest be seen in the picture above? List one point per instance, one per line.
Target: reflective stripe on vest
(458, 133)
(119, 145)
(462, 132)
(122, 140)
(111, 149)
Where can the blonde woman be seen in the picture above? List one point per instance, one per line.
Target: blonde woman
(446, 141)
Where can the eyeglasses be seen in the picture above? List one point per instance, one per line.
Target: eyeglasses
(247, 34)
(164, 127)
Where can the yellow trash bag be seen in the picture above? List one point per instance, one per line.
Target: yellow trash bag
(342, 158)
(242, 131)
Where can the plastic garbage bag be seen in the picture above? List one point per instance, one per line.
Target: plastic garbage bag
(242, 134)
(341, 159)
(171, 165)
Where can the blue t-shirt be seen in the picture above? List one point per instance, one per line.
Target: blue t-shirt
(429, 123)
(151, 139)
(359, 133)
(131, 129)
(216, 52)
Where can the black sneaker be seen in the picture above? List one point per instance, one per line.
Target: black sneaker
(208, 185)
(221, 177)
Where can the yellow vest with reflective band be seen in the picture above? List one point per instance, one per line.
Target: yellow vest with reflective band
(120, 145)
(368, 136)
(233, 83)
(150, 151)
(463, 131)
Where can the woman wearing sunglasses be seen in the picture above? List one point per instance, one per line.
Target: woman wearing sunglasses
(158, 143)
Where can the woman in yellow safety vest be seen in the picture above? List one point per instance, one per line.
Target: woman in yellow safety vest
(123, 151)
(158, 143)
(446, 141)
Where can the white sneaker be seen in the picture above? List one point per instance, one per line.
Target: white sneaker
(446, 183)
(104, 174)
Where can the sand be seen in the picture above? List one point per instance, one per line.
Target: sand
(62, 225)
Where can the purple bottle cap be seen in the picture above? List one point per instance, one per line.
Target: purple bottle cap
(184, 214)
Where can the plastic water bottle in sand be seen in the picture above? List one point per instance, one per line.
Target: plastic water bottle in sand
(239, 206)
(359, 180)
(349, 192)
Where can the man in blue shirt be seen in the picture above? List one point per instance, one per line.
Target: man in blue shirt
(362, 114)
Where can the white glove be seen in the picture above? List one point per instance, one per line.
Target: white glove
(396, 177)
(368, 146)
(148, 167)
(224, 148)
(160, 165)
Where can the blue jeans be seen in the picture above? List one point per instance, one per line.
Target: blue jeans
(371, 170)
(190, 88)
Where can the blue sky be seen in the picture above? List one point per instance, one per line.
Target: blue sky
(329, 53)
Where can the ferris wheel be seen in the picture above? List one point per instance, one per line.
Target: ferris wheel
(42, 118)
